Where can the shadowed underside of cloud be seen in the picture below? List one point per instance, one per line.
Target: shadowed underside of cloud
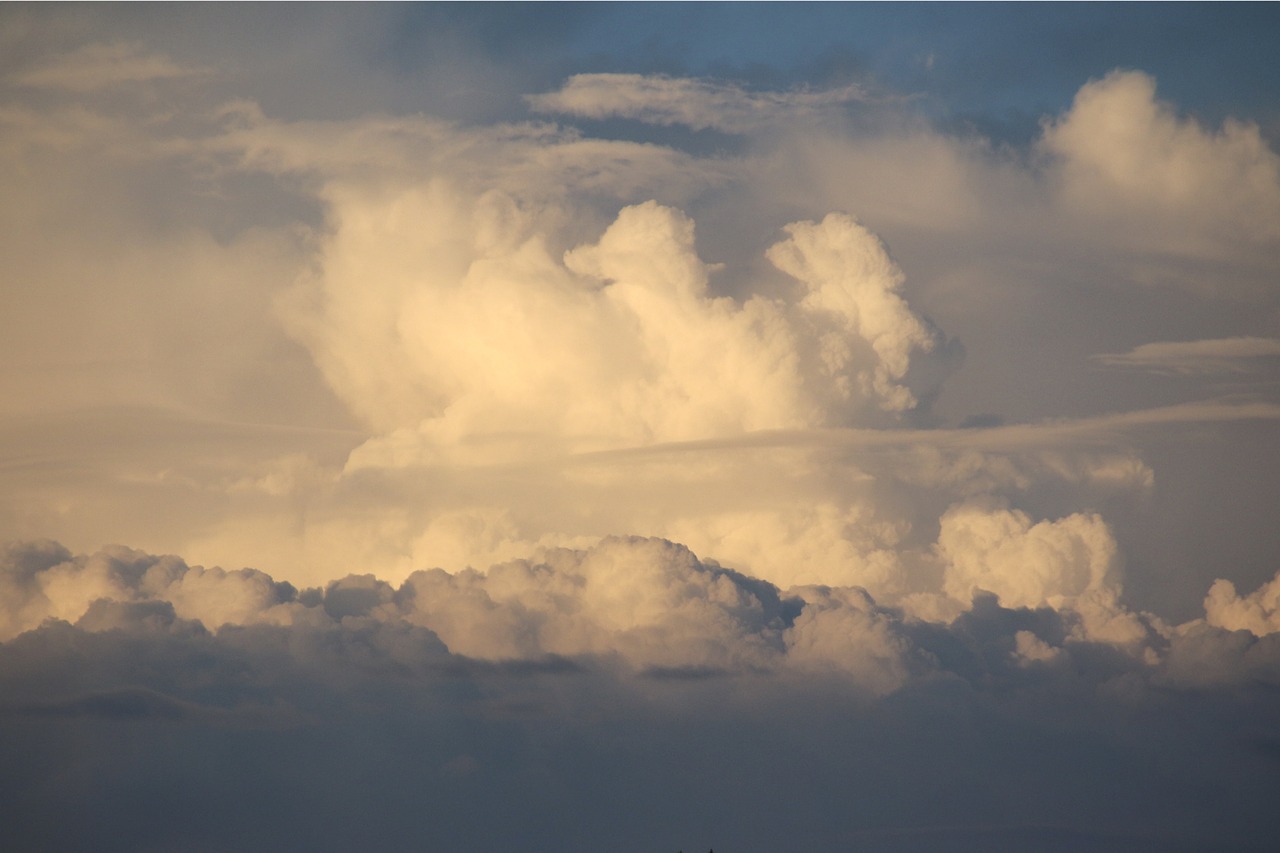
(630, 696)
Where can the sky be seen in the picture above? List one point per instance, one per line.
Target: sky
(637, 427)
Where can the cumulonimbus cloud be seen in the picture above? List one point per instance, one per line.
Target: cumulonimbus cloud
(619, 344)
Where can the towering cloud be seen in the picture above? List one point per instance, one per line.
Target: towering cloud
(621, 343)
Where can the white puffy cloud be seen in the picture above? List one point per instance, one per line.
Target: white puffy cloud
(647, 600)
(842, 629)
(853, 282)
(47, 582)
(823, 542)
(1071, 563)
(1031, 650)
(1124, 154)
(1259, 611)
(623, 343)
(1027, 564)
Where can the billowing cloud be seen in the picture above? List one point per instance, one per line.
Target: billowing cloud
(641, 351)
(1257, 612)
(1125, 154)
(697, 104)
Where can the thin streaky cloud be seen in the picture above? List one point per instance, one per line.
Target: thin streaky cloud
(1217, 355)
(697, 104)
(1047, 434)
(96, 67)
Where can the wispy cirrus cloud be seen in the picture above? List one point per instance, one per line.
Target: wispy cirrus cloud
(1217, 355)
(99, 66)
(696, 104)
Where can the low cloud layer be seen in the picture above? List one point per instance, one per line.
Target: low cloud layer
(650, 604)
(522, 681)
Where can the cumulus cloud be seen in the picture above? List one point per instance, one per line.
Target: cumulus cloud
(1071, 563)
(1027, 565)
(648, 603)
(44, 581)
(620, 343)
(1258, 612)
(1125, 154)
(697, 104)
(495, 303)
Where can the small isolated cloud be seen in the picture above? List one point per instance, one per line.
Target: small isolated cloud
(697, 104)
(95, 67)
(1220, 355)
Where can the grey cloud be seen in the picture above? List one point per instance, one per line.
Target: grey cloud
(1219, 355)
(124, 704)
(355, 720)
(101, 66)
(699, 104)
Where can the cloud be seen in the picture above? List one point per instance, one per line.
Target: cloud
(1189, 358)
(641, 351)
(45, 582)
(99, 66)
(695, 663)
(603, 478)
(1258, 612)
(496, 302)
(1123, 154)
(697, 104)
(1068, 564)
(648, 603)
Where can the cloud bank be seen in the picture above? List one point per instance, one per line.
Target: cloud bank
(522, 679)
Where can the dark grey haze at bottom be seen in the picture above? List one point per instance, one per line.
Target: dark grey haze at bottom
(357, 734)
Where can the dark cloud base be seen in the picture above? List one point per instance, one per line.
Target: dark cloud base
(346, 732)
